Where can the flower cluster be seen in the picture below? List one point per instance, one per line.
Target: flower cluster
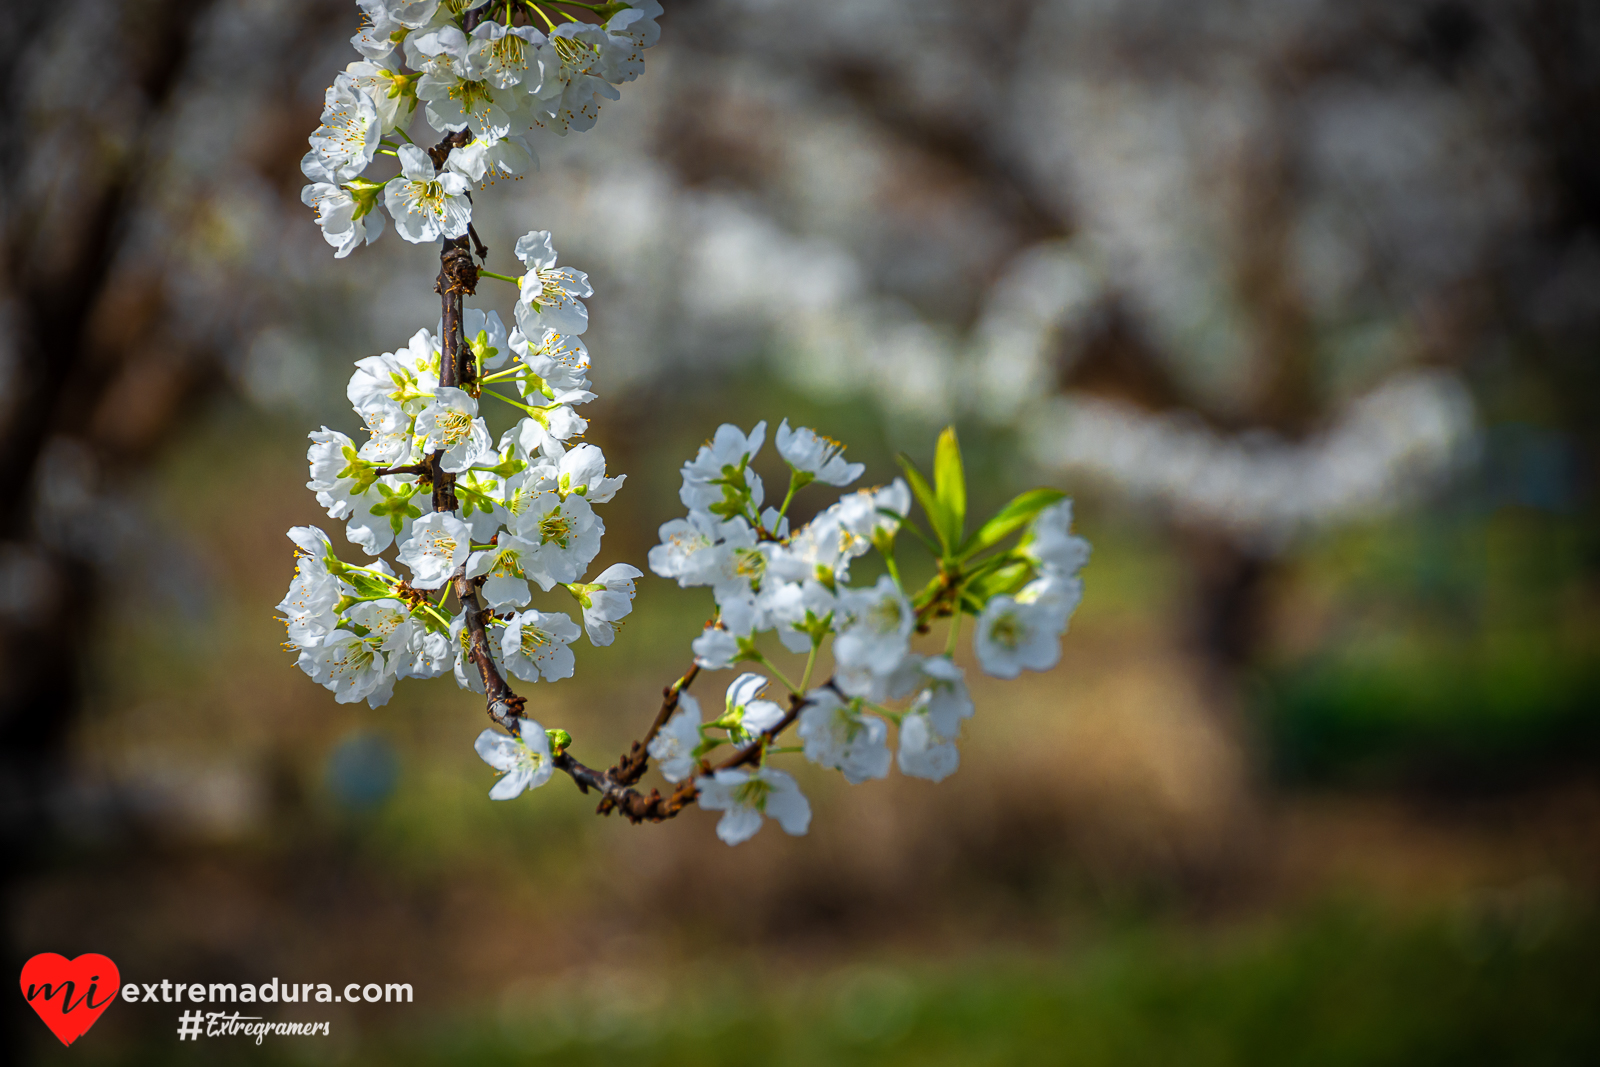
(486, 82)
(525, 512)
(764, 577)
(459, 528)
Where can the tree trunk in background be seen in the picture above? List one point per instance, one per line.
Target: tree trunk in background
(92, 382)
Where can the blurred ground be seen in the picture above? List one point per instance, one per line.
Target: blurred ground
(1113, 859)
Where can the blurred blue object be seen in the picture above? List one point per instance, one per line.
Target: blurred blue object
(362, 770)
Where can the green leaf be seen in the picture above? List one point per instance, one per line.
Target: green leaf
(1000, 581)
(950, 485)
(925, 497)
(1010, 519)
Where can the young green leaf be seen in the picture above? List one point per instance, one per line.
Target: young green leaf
(925, 497)
(950, 485)
(1003, 580)
(1010, 518)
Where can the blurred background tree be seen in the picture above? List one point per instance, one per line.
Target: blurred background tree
(1300, 301)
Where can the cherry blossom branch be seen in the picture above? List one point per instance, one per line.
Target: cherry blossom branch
(635, 806)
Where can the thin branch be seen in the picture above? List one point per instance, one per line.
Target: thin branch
(504, 706)
(409, 468)
(630, 768)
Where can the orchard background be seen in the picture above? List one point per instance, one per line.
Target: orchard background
(1297, 301)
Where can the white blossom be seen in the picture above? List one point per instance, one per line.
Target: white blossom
(524, 761)
(552, 296)
(945, 699)
(505, 564)
(583, 471)
(453, 100)
(380, 510)
(801, 611)
(426, 205)
(382, 80)
(426, 655)
(836, 734)
(489, 156)
(1057, 595)
(438, 546)
(632, 30)
(718, 479)
(449, 424)
(559, 362)
(874, 627)
(1012, 637)
(486, 336)
(716, 648)
(407, 376)
(690, 548)
(308, 607)
(377, 40)
(346, 221)
(745, 796)
(350, 668)
(861, 514)
(673, 747)
(824, 547)
(1051, 543)
(343, 146)
(566, 100)
(818, 458)
(923, 753)
(505, 56)
(566, 532)
(389, 433)
(537, 644)
(607, 600)
(478, 493)
(746, 716)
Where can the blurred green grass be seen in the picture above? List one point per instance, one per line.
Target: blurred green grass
(1452, 650)
(1493, 984)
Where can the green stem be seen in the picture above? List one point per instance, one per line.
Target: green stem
(762, 659)
(890, 713)
(403, 133)
(794, 486)
(894, 571)
(513, 403)
(370, 570)
(503, 277)
(540, 11)
(366, 599)
(388, 152)
(811, 661)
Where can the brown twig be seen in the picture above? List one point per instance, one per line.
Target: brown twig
(409, 468)
(504, 706)
(630, 768)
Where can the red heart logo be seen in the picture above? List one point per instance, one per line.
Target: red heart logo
(69, 995)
